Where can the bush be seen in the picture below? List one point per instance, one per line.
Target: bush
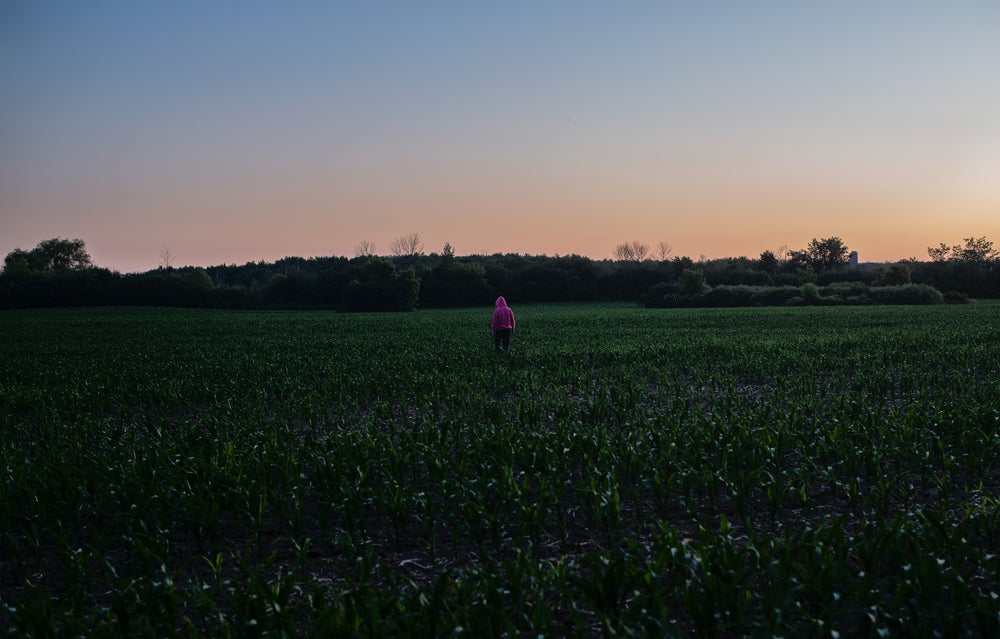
(672, 295)
(956, 297)
(846, 289)
(907, 294)
(692, 282)
(897, 275)
(806, 274)
(655, 296)
(232, 297)
(728, 295)
(811, 295)
(839, 276)
(774, 295)
(786, 279)
(846, 292)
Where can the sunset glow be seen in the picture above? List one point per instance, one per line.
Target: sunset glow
(236, 132)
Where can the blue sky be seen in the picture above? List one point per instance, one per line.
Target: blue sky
(230, 132)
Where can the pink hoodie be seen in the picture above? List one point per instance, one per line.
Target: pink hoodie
(503, 317)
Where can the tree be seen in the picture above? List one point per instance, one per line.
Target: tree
(768, 262)
(447, 255)
(968, 269)
(16, 262)
(407, 245)
(166, 257)
(379, 287)
(634, 251)
(939, 253)
(821, 255)
(50, 255)
(897, 275)
(977, 250)
(663, 251)
(364, 249)
(692, 282)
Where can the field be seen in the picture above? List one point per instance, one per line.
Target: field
(823, 472)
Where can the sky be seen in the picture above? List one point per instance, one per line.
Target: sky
(206, 133)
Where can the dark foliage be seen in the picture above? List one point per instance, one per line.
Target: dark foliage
(60, 273)
(57, 255)
(673, 295)
(823, 255)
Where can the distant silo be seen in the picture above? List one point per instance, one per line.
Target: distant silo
(854, 259)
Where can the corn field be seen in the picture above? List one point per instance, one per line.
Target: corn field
(798, 472)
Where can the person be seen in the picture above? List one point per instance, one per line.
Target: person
(502, 325)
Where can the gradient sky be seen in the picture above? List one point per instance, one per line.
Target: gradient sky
(229, 132)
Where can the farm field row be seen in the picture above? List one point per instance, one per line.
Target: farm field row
(813, 471)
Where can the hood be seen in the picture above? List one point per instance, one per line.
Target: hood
(501, 301)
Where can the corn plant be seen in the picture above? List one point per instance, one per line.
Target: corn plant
(814, 471)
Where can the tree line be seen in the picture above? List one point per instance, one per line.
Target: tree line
(60, 272)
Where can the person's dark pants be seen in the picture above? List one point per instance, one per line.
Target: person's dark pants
(501, 337)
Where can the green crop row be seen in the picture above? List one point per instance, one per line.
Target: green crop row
(621, 472)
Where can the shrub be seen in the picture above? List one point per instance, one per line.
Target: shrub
(810, 294)
(897, 275)
(846, 289)
(657, 294)
(956, 297)
(692, 282)
(786, 279)
(232, 297)
(806, 274)
(672, 295)
(907, 294)
(774, 295)
(846, 292)
(686, 291)
(728, 295)
(846, 275)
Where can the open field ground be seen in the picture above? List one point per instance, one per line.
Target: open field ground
(815, 471)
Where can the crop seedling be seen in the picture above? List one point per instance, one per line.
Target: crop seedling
(808, 471)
